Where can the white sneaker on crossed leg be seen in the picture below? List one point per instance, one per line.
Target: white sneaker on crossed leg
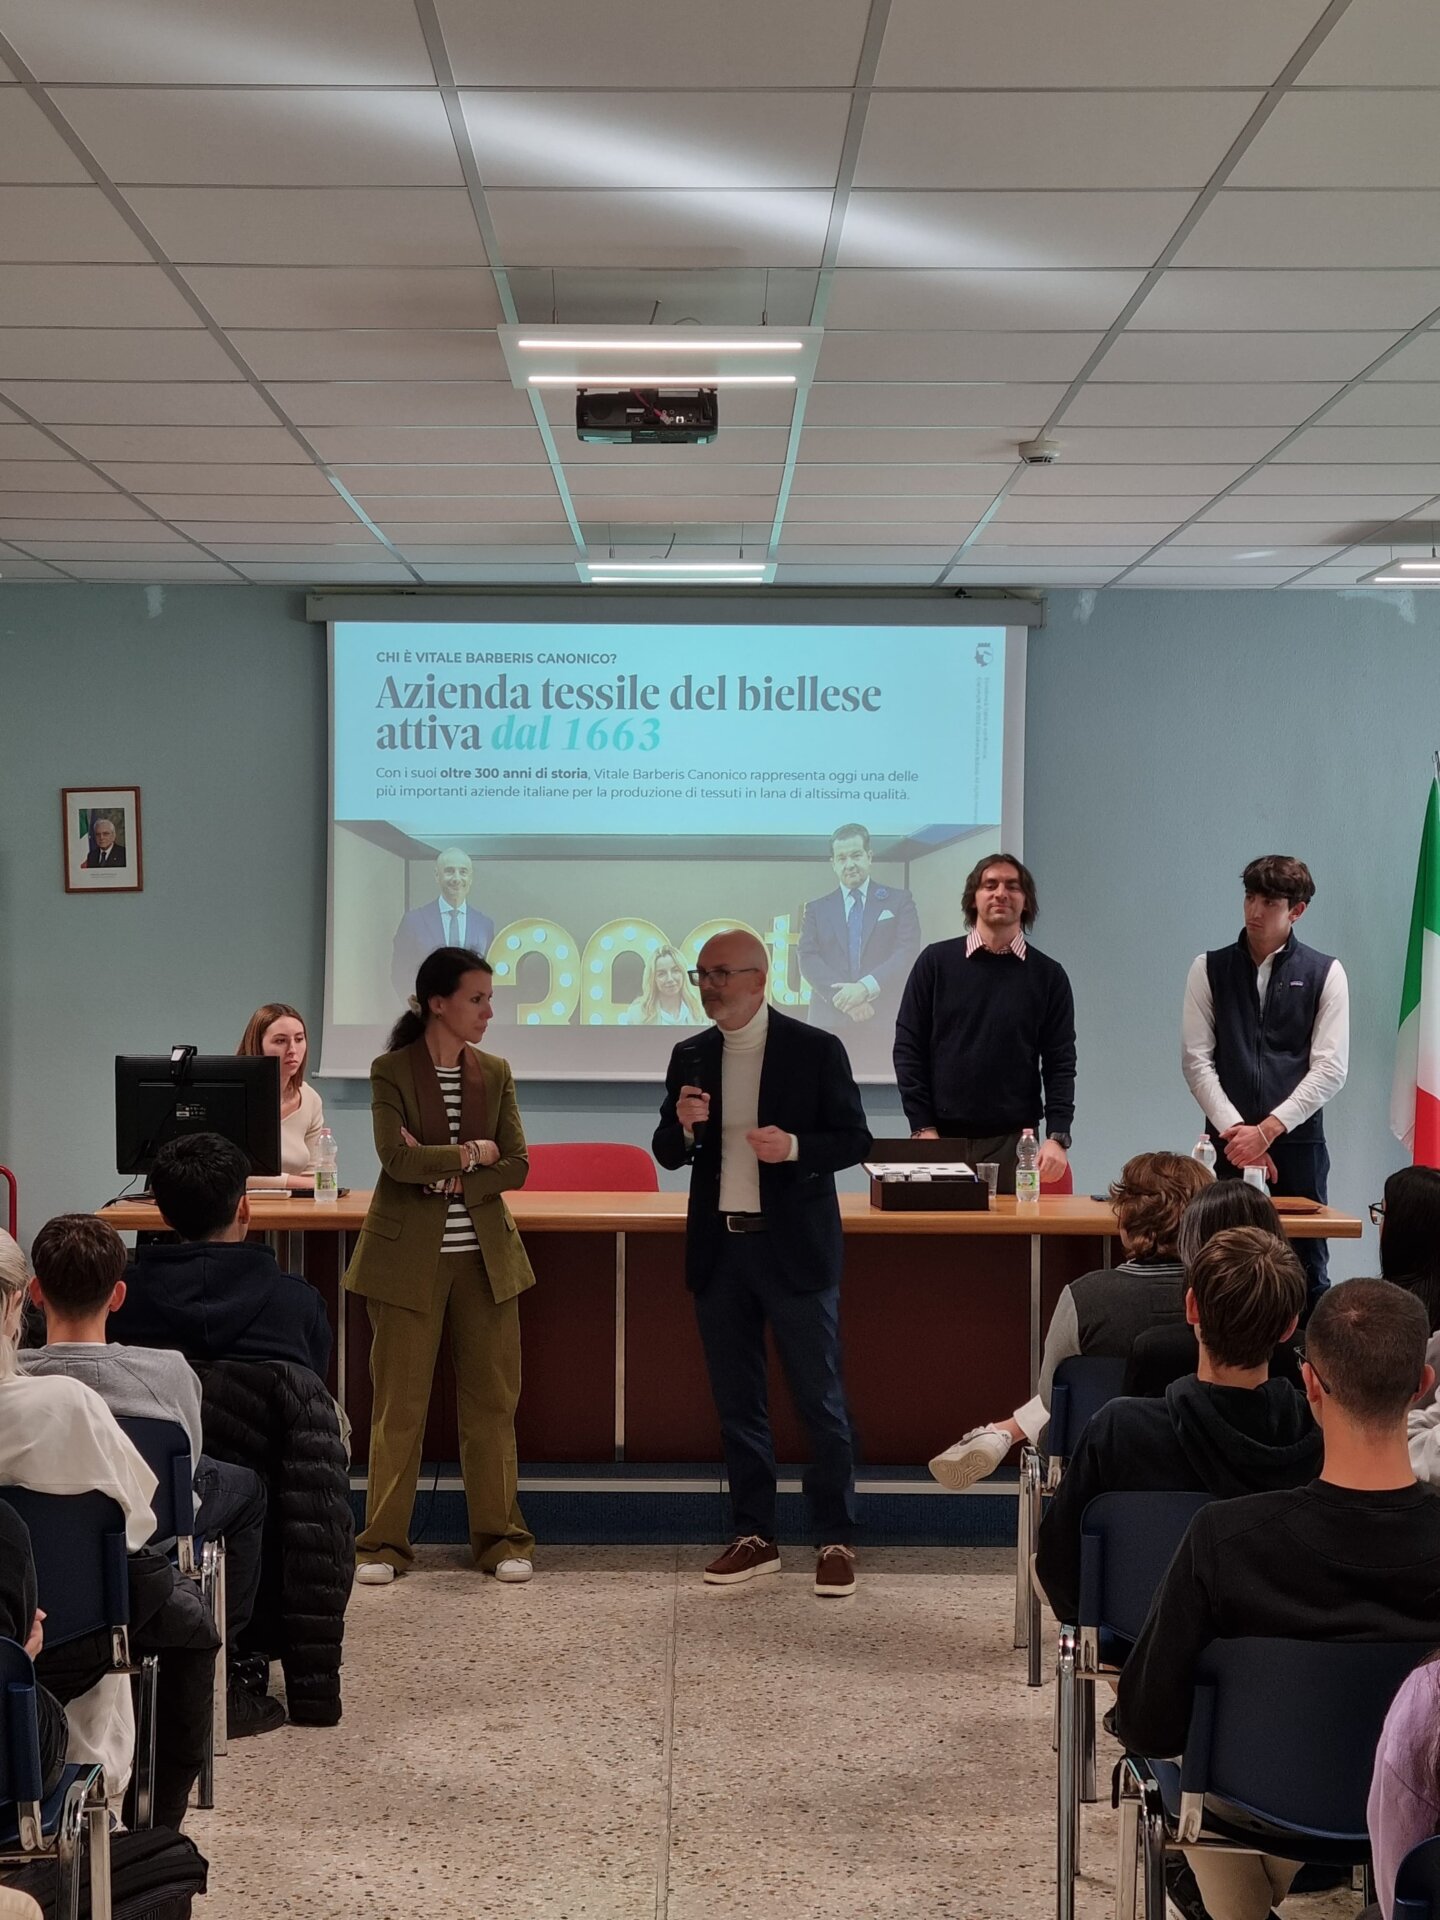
(971, 1459)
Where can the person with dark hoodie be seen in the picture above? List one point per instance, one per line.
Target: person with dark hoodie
(1410, 1241)
(1225, 1430)
(215, 1297)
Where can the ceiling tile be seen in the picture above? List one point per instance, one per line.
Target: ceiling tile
(1058, 509)
(516, 572)
(1008, 229)
(903, 445)
(398, 510)
(1212, 532)
(312, 226)
(390, 354)
(1011, 405)
(50, 476)
(1052, 43)
(1299, 478)
(78, 507)
(1080, 533)
(1101, 139)
(383, 571)
(53, 353)
(1395, 403)
(914, 482)
(71, 295)
(26, 443)
(64, 223)
(1036, 575)
(503, 447)
(245, 42)
(120, 543)
(1241, 356)
(1303, 507)
(803, 553)
(877, 356)
(30, 148)
(706, 476)
(1379, 43)
(1212, 577)
(1032, 298)
(1197, 403)
(863, 532)
(1333, 229)
(1345, 139)
(558, 43)
(696, 141)
(348, 297)
(616, 295)
(386, 404)
(479, 480)
(1242, 552)
(1400, 445)
(423, 553)
(1290, 300)
(998, 553)
(544, 228)
(471, 533)
(855, 576)
(1198, 444)
(263, 444)
(745, 446)
(305, 510)
(41, 528)
(262, 137)
(1418, 361)
(190, 477)
(16, 570)
(280, 533)
(197, 403)
(349, 551)
(1119, 480)
(151, 572)
(882, 510)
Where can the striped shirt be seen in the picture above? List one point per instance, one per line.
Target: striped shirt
(459, 1236)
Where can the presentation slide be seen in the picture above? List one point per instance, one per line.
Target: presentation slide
(585, 804)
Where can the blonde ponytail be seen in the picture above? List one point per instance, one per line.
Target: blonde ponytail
(14, 1277)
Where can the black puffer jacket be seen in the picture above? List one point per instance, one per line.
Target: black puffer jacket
(279, 1420)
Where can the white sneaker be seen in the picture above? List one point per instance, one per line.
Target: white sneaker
(374, 1573)
(971, 1459)
(514, 1571)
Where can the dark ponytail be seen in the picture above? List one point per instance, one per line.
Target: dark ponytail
(440, 975)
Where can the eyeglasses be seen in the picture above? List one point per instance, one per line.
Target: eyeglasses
(1324, 1383)
(717, 976)
(1377, 1211)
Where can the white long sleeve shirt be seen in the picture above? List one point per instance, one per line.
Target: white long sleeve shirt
(1329, 1048)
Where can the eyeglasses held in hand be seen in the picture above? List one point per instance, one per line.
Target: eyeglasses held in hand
(1377, 1211)
(717, 976)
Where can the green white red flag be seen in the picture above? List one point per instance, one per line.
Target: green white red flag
(1415, 1092)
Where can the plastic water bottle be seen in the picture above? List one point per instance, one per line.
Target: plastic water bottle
(327, 1167)
(1027, 1170)
(1204, 1152)
(1255, 1177)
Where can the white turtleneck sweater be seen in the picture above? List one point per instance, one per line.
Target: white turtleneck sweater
(740, 1065)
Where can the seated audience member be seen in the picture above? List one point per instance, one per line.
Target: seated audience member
(1353, 1555)
(22, 1621)
(1165, 1353)
(216, 1297)
(1410, 1241)
(279, 1030)
(1101, 1312)
(79, 1280)
(1225, 1430)
(57, 1436)
(1405, 1790)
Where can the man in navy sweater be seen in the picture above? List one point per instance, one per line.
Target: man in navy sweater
(985, 1036)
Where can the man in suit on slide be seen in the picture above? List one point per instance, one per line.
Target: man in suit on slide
(764, 1110)
(103, 850)
(857, 943)
(448, 921)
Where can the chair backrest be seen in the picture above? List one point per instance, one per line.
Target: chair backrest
(164, 1446)
(19, 1728)
(1063, 1183)
(81, 1575)
(591, 1166)
(1287, 1729)
(1127, 1541)
(1082, 1385)
(1417, 1883)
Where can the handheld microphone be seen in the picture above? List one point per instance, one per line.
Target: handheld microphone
(691, 1059)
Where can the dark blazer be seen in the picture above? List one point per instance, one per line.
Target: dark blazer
(95, 858)
(807, 1088)
(889, 942)
(422, 931)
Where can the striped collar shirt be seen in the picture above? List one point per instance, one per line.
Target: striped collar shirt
(974, 944)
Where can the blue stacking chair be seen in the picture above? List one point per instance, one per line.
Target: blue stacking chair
(1127, 1541)
(1417, 1883)
(1082, 1385)
(164, 1445)
(1277, 1760)
(50, 1827)
(81, 1572)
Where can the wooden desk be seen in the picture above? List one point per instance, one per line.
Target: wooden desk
(943, 1318)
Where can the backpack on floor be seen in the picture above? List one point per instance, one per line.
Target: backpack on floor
(154, 1875)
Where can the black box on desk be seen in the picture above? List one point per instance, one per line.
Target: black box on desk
(960, 1192)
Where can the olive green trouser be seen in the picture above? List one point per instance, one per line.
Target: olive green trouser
(485, 1346)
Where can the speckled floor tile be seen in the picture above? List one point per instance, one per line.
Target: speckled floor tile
(616, 1740)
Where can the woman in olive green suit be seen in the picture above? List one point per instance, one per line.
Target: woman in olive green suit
(439, 1251)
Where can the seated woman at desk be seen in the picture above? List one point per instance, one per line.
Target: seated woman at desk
(667, 998)
(279, 1030)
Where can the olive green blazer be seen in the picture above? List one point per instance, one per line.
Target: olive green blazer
(397, 1259)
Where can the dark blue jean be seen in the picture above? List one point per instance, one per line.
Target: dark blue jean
(733, 1311)
(230, 1501)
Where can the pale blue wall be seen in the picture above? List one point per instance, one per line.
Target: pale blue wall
(1169, 737)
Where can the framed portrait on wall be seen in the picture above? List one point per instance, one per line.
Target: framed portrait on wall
(101, 828)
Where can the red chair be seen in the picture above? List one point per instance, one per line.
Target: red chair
(8, 1177)
(591, 1166)
(1065, 1184)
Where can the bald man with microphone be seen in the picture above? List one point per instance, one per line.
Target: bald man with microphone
(764, 1110)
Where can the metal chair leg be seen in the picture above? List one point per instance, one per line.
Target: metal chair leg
(1024, 1547)
(1067, 1801)
(1152, 1847)
(67, 1853)
(1126, 1860)
(222, 1669)
(97, 1846)
(1086, 1704)
(1033, 1500)
(147, 1686)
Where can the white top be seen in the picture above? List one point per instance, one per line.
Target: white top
(459, 1234)
(1329, 1047)
(740, 1063)
(57, 1436)
(299, 1132)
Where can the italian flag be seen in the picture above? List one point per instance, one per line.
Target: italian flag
(1415, 1094)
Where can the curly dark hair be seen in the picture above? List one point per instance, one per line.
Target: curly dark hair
(977, 874)
(1282, 877)
(1151, 1194)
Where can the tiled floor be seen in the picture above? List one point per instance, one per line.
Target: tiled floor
(616, 1741)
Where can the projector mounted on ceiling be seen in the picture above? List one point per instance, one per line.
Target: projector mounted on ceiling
(647, 416)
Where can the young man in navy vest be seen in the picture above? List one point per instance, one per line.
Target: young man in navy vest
(1265, 1042)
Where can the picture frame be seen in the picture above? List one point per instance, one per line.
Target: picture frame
(100, 839)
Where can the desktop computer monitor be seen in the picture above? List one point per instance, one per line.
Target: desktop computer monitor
(159, 1097)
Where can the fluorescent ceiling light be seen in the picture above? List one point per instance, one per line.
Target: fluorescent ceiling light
(1404, 573)
(676, 566)
(663, 346)
(624, 378)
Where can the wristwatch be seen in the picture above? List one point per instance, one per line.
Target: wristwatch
(1060, 1139)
